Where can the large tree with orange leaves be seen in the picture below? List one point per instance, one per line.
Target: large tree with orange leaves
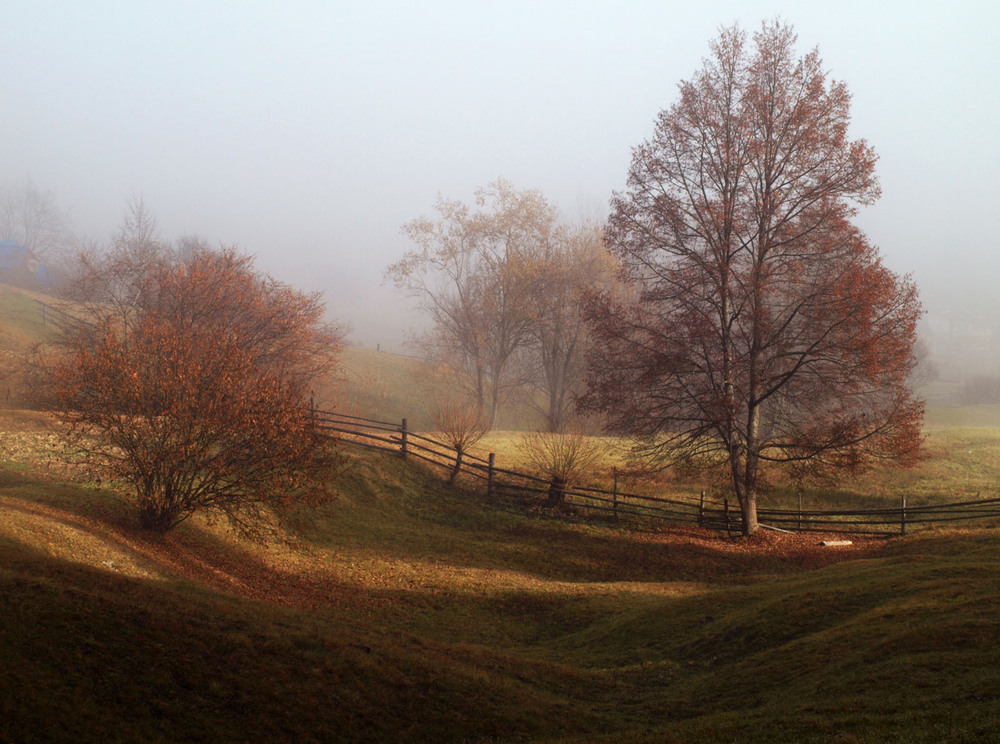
(762, 326)
(189, 382)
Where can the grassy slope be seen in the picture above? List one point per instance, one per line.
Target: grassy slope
(380, 385)
(21, 317)
(414, 613)
(962, 444)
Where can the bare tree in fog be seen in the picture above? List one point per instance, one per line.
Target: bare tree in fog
(570, 267)
(30, 216)
(473, 271)
(503, 283)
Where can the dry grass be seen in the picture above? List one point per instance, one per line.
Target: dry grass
(407, 611)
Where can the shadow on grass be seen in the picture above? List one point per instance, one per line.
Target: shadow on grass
(405, 513)
(87, 650)
(92, 656)
(98, 529)
(393, 514)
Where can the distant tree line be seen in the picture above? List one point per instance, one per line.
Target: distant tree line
(980, 390)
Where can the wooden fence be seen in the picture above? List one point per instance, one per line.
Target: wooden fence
(63, 321)
(511, 484)
(710, 513)
(713, 514)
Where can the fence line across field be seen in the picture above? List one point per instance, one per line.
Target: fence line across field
(59, 318)
(706, 512)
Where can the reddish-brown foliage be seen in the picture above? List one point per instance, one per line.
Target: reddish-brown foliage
(194, 389)
(763, 326)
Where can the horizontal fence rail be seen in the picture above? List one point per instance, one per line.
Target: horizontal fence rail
(60, 319)
(709, 513)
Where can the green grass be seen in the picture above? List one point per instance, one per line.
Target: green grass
(22, 318)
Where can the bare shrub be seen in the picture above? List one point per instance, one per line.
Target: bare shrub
(561, 458)
(459, 417)
(461, 423)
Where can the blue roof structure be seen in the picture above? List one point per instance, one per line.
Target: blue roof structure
(12, 254)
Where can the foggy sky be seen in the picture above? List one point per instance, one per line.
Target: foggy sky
(309, 133)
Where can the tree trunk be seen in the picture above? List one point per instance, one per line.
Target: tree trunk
(751, 464)
(748, 511)
(458, 467)
(557, 491)
(552, 415)
(745, 486)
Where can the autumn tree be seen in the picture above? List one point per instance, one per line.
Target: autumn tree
(764, 327)
(189, 383)
(572, 265)
(474, 275)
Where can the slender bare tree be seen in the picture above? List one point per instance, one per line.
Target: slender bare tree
(473, 274)
(574, 264)
(31, 216)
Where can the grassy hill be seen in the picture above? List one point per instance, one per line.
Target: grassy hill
(23, 320)
(390, 387)
(380, 385)
(407, 611)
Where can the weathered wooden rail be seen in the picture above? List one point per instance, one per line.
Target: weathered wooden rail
(709, 513)
(54, 316)
(501, 482)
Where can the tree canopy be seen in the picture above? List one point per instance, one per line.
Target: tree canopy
(761, 326)
(189, 379)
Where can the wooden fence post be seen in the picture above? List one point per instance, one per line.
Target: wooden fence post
(402, 440)
(491, 483)
(701, 509)
(614, 495)
(902, 517)
(725, 512)
(800, 510)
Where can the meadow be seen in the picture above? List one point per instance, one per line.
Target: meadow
(410, 611)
